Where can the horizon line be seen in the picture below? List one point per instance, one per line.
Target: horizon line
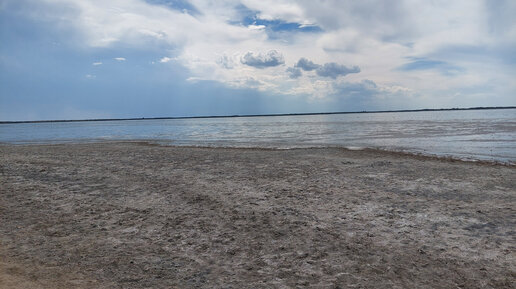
(260, 115)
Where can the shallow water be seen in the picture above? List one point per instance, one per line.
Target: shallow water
(469, 134)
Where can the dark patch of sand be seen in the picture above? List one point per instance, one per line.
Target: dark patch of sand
(129, 215)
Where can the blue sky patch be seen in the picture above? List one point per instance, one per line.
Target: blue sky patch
(181, 5)
(277, 26)
(250, 17)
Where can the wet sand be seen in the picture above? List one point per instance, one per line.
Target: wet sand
(133, 215)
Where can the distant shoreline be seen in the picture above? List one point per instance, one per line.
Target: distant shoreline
(257, 115)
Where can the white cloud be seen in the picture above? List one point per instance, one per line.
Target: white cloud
(377, 36)
(256, 27)
(119, 58)
(96, 63)
(226, 61)
(165, 59)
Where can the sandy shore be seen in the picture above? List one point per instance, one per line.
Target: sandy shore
(132, 215)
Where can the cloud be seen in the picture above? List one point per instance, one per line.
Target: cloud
(256, 27)
(428, 64)
(119, 59)
(226, 62)
(294, 72)
(331, 69)
(287, 11)
(364, 87)
(379, 37)
(306, 64)
(422, 64)
(96, 63)
(165, 59)
(335, 70)
(369, 95)
(253, 83)
(179, 5)
(260, 60)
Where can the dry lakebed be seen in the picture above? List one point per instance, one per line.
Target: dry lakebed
(137, 215)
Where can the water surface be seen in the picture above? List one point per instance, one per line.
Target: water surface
(467, 134)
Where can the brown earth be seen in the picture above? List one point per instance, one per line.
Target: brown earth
(133, 215)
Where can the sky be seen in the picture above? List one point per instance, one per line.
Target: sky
(79, 59)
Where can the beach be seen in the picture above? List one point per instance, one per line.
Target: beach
(138, 215)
